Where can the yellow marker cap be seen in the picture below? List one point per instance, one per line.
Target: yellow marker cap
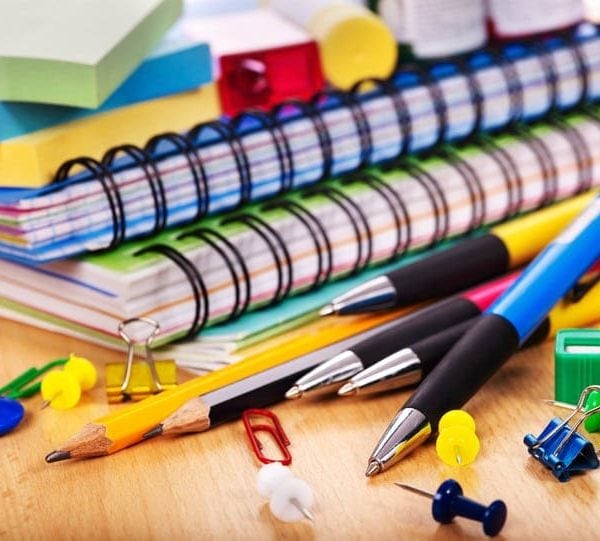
(60, 390)
(354, 44)
(83, 371)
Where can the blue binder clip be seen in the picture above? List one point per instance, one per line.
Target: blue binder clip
(561, 448)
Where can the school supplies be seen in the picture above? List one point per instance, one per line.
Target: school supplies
(562, 449)
(411, 365)
(576, 362)
(188, 278)
(498, 333)
(592, 423)
(218, 166)
(503, 247)
(448, 502)
(24, 385)
(33, 159)
(261, 59)
(178, 64)
(290, 498)
(61, 389)
(457, 443)
(272, 427)
(76, 53)
(354, 43)
(261, 380)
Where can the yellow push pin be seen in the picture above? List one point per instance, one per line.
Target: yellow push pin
(62, 389)
(457, 443)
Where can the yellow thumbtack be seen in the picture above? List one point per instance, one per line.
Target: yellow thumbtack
(457, 443)
(62, 389)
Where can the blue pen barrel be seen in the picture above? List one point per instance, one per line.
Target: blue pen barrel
(552, 274)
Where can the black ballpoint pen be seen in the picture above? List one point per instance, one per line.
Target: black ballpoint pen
(471, 261)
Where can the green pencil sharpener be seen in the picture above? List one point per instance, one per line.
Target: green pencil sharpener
(576, 363)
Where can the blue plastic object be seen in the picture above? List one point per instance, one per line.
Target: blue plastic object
(562, 450)
(11, 414)
(449, 502)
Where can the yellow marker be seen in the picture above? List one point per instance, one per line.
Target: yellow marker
(354, 43)
(457, 443)
(61, 389)
(525, 236)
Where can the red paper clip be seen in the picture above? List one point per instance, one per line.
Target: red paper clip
(274, 429)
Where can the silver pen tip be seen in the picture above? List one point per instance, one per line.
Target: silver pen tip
(373, 468)
(293, 392)
(327, 310)
(348, 389)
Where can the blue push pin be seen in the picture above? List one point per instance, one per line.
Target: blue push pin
(11, 413)
(448, 502)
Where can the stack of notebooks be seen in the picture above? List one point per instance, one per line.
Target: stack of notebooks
(198, 228)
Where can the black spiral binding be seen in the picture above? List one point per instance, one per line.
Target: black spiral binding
(190, 144)
(142, 159)
(196, 167)
(474, 186)
(273, 240)
(397, 208)
(227, 135)
(309, 111)
(110, 188)
(356, 217)
(214, 239)
(201, 298)
(282, 147)
(510, 172)
(317, 233)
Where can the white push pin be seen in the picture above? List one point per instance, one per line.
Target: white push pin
(290, 498)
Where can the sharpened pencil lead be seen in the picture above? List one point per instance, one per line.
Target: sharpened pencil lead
(156, 431)
(57, 456)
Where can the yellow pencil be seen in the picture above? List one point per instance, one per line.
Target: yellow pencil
(125, 427)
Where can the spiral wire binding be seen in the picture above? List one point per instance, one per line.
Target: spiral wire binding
(230, 132)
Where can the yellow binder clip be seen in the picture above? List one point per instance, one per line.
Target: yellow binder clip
(136, 380)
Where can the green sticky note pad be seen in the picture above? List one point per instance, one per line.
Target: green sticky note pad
(76, 52)
(576, 363)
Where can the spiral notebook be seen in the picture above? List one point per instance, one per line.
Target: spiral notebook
(193, 277)
(176, 179)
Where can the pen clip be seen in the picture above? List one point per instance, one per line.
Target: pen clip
(274, 429)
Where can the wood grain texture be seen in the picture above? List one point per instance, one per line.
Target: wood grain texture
(202, 486)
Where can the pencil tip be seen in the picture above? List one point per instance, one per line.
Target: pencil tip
(156, 431)
(293, 392)
(373, 468)
(57, 456)
(348, 389)
(327, 310)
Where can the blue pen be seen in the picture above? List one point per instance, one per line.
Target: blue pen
(501, 329)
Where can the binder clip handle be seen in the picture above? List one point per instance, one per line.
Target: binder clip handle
(273, 428)
(131, 343)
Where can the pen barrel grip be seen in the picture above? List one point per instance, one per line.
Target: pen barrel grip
(431, 350)
(466, 264)
(465, 368)
(414, 327)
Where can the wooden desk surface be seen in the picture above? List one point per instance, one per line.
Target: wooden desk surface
(203, 486)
